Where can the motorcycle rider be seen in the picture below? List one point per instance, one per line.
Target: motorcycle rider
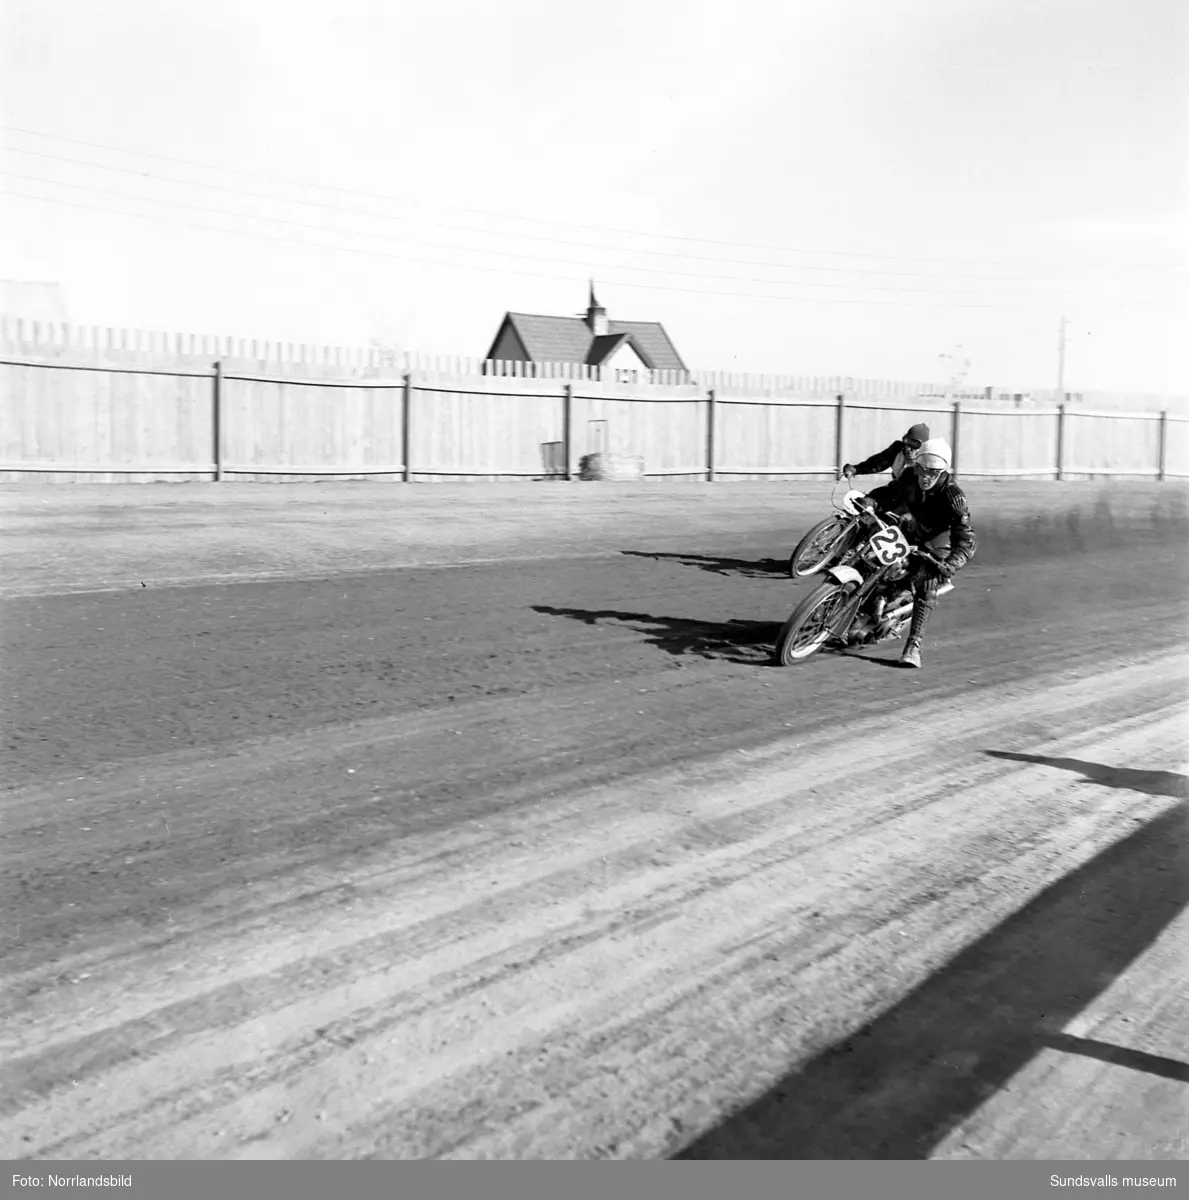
(933, 512)
(897, 456)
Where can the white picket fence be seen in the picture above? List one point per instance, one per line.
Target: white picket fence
(24, 338)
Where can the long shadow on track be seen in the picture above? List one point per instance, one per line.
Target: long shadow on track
(1155, 783)
(896, 1088)
(747, 642)
(763, 567)
(737, 641)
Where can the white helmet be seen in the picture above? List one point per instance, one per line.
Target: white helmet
(933, 459)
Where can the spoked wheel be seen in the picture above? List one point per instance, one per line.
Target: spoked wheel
(821, 547)
(810, 626)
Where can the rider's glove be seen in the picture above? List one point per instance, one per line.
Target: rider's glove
(848, 471)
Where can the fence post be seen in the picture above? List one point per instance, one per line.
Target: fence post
(839, 441)
(955, 432)
(711, 409)
(406, 404)
(218, 421)
(1162, 457)
(567, 429)
(1060, 441)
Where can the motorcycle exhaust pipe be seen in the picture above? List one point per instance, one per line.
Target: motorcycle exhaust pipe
(902, 610)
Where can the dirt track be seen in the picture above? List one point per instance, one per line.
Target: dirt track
(540, 858)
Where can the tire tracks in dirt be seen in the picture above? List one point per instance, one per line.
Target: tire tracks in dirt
(655, 951)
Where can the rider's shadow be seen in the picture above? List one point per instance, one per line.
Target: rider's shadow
(759, 568)
(746, 642)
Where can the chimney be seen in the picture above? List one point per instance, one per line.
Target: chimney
(596, 315)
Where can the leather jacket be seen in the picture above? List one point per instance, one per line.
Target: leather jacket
(893, 458)
(942, 509)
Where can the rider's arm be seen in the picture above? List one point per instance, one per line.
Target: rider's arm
(888, 495)
(878, 462)
(963, 542)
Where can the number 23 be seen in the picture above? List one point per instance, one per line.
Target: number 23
(889, 546)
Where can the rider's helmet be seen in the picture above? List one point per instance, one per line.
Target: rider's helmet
(916, 436)
(932, 461)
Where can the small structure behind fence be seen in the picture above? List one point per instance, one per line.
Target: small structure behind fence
(110, 407)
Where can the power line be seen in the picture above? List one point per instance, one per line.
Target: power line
(581, 277)
(372, 213)
(515, 255)
(289, 181)
(304, 225)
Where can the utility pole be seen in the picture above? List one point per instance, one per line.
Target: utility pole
(1061, 361)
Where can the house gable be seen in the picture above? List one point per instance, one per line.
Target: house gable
(508, 344)
(618, 349)
(653, 343)
(627, 357)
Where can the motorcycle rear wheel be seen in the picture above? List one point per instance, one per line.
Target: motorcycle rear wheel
(811, 625)
(821, 547)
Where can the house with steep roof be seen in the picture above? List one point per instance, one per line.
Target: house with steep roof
(625, 347)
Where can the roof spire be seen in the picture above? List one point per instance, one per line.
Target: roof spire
(596, 314)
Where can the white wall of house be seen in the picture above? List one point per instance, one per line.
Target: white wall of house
(626, 364)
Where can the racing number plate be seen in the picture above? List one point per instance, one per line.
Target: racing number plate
(890, 546)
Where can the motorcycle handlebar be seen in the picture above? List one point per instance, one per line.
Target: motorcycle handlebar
(925, 552)
(868, 507)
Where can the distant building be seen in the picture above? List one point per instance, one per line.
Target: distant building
(627, 347)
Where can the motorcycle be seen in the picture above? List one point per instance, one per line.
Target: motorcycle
(862, 600)
(829, 543)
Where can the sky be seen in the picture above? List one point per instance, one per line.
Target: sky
(899, 189)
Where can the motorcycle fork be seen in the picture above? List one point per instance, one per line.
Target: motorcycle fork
(857, 599)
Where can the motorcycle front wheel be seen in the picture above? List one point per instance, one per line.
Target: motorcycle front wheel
(821, 547)
(811, 625)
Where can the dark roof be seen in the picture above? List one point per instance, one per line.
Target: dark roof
(605, 345)
(651, 342)
(568, 339)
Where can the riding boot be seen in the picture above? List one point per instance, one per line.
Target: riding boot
(921, 610)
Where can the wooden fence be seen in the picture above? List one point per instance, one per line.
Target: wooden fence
(23, 338)
(72, 420)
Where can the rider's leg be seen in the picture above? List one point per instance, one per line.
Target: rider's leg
(925, 586)
(924, 600)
